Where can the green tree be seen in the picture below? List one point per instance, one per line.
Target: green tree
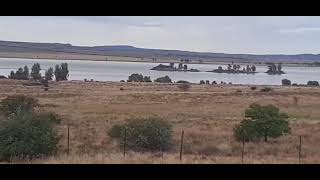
(35, 72)
(26, 72)
(61, 72)
(57, 72)
(253, 68)
(64, 71)
(262, 122)
(49, 74)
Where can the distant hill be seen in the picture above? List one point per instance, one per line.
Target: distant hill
(30, 47)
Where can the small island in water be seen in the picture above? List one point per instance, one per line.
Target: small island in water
(274, 69)
(181, 68)
(235, 69)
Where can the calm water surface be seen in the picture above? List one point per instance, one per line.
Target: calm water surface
(116, 71)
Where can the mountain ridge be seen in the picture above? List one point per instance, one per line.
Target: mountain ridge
(127, 50)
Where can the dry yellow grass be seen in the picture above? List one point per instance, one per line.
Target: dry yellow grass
(206, 113)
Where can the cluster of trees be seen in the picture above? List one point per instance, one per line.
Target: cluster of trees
(287, 82)
(274, 69)
(235, 68)
(213, 82)
(138, 78)
(61, 73)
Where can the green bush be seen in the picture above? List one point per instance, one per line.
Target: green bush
(262, 122)
(165, 79)
(313, 83)
(14, 104)
(138, 78)
(286, 82)
(253, 88)
(202, 82)
(149, 134)
(27, 136)
(266, 89)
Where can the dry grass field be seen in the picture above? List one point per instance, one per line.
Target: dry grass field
(206, 113)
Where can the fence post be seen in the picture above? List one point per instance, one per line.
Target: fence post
(181, 145)
(242, 152)
(300, 146)
(124, 143)
(68, 143)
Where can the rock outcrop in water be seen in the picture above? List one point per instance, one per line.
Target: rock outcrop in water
(171, 67)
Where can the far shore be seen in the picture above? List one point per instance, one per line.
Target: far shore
(89, 57)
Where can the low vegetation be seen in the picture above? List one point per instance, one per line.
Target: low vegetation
(165, 79)
(253, 88)
(286, 82)
(262, 122)
(24, 133)
(184, 86)
(313, 83)
(149, 134)
(182, 81)
(138, 78)
(266, 89)
(14, 104)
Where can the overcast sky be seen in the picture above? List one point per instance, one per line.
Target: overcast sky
(229, 34)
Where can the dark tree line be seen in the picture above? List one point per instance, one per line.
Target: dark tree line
(61, 73)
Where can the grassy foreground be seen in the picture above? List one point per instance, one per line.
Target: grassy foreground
(206, 113)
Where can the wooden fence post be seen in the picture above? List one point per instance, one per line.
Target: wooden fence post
(124, 143)
(300, 147)
(242, 152)
(181, 145)
(68, 144)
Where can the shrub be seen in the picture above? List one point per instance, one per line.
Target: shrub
(135, 78)
(165, 79)
(14, 104)
(253, 88)
(266, 89)
(121, 89)
(238, 91)
(122, 81)
(184, 87)
(147, 79)
(27, 136)
(49, 74)
(202, 82)
(313, 83)
(262, 122)
(149, 134)
(286, 82)
(294, 84)
(182, 81)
